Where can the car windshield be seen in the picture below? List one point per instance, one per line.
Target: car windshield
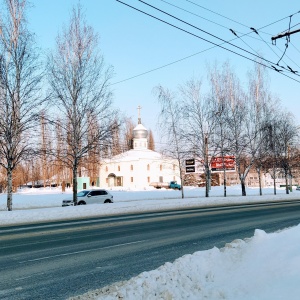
(82, 193)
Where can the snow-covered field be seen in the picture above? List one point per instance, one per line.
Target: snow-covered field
(266, 266)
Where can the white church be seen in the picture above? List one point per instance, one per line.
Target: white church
(137, 168)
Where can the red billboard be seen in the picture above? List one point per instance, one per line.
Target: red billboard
(218, 163)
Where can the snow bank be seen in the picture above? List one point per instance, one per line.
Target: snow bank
(267, 267)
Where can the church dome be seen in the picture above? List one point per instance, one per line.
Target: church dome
(140, 132)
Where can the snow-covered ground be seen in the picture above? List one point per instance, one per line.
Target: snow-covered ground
(266, 266)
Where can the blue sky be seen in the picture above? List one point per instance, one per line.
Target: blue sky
(134, 43)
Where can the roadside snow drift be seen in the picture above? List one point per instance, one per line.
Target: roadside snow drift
(265, 267)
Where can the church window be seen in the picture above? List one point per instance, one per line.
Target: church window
(131, 179)
(131, 167)
(148, 179)
(106, 180)
(148, 167)
(160, 167)
(174, 167)
(106, 169)
(119, 168)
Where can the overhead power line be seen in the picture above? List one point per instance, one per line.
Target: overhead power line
(238, 34)
(208, 20)
(217, 45)
(240, 22)
(204, 31)
(200, 52)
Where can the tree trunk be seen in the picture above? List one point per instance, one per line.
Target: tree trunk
(9, 189)
(207, 182)
(243, 186)
(286, 182)
(75, 184)
(181, 179)
(274, 180)
(224, 182)
(259, 181)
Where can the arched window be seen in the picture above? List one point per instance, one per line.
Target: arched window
(119, 168)
(148, 167)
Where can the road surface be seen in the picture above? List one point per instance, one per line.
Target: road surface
(62, 259)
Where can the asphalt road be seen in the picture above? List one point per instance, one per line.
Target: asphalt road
(62, 259)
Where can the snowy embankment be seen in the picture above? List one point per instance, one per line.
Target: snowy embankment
(265, 267)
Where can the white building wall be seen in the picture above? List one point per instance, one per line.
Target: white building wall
(138, 173)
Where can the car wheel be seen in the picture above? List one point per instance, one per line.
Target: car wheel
(81, 203)
(107, 201)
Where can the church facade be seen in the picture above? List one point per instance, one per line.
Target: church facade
(138, 167)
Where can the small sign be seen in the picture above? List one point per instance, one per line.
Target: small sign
(190, 169)
(190, 162)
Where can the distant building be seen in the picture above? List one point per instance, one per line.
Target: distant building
(137, 168)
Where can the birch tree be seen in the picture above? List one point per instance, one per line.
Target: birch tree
(221, 97)
(20, 97)
(79, 85)
(286, 133)
(200, 125)
(171, 126)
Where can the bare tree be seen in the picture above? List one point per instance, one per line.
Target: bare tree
(151, 143)
(79, 83)
(236, 119)
(116, 143)
(286, 133)
(20, 97)
(219, 80)
(170, 123)
(200, 125)
(128, 134)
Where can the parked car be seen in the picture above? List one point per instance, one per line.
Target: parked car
(298, 188)
(91, 196)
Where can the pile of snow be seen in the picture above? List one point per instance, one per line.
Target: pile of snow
(265, 267)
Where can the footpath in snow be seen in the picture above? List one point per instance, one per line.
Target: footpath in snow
(264, 267)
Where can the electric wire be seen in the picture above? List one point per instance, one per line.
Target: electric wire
(215, 45)
(208, 20)
(235, 31)
(240, 22)
(258, 56)
(295, 47)
(161, 67)
(193, 26)
(276, 53)
(290, 16)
